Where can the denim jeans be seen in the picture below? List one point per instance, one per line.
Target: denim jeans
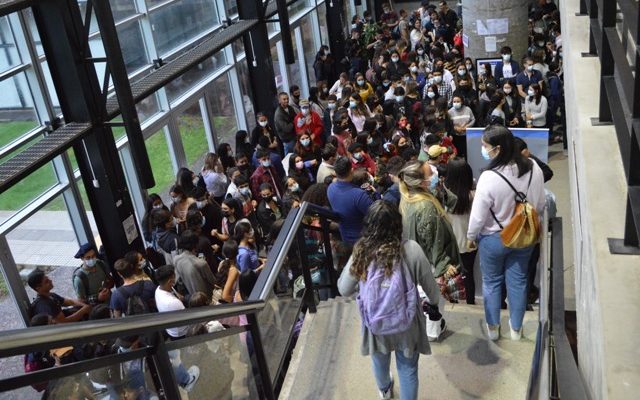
(502, 264)
(288, 147)
(407, 373)
(182, 375)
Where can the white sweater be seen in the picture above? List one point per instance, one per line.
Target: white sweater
(492, 192)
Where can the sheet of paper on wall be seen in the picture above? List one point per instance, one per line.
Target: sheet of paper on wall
(496, 26)
(490, 44)
(465, 40)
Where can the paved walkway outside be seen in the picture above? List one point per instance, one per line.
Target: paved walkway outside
(45, 239)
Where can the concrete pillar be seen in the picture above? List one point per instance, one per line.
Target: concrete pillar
(499, 22)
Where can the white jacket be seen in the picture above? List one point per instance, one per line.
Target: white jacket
(492, 192)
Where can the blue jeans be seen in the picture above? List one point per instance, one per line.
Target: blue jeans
(182, 375)
(288, 147)
(407, 373)
(502, 264)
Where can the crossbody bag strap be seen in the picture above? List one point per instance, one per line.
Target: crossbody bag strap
(514, 190)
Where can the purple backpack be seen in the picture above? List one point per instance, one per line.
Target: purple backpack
(388, 304)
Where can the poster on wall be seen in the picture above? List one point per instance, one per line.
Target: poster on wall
(537, 141)
(491, 61)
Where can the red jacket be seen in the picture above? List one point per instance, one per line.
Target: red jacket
(314, 127)
(265, 175)
(367, 162)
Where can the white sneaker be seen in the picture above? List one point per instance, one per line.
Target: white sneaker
(387, 394)
(515, 335)
(493, 331)
(194, 374)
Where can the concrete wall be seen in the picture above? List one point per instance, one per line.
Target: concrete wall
(479, 25)
(607, 295)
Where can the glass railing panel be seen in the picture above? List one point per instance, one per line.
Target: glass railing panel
(227, 366)
(316, 257)
(127, 380)
(280, 323)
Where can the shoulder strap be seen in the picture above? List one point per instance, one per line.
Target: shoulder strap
(83, 278)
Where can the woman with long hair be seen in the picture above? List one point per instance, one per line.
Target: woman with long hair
(358, 111)
(247, 258)
(493, 207)
(153, 202)
(188, 180)
(381, 246)
(425, 220)
(214, 178)
(459, 181)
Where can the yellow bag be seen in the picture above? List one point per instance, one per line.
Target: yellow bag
(523, 229)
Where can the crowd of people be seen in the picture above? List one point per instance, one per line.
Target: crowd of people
(381, 142)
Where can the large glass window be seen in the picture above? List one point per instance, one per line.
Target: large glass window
(322, 22)
(9, 56)
(47, 238)
(133, 47)
(193, 135)
(160, 160)
(17, 113)
(279, 79)
(295, 73)
(245, 90)
(191, 78)
(178, 22)
(25, 191)
(309, 46)
(224, 120)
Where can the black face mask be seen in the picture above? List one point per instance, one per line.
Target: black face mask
(267, 198)
(226, 213)
(243, 167)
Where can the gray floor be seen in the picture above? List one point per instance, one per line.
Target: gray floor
(464, 365)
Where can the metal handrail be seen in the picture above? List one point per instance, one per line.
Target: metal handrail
(21, 341)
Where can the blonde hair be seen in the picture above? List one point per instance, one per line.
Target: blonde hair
(210, 161)
(411, 190)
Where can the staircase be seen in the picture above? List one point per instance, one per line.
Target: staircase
(327, 364)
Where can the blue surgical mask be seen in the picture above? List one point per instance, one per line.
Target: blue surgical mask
(485, 153)
(266, 163)
(305, 142)
(90, 262)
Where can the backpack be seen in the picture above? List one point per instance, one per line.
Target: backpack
(79, 273)
(523, 229)
(37, 361)
(136, 305)
(388, 304)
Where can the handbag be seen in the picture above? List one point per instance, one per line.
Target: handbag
(523, 229)
(452, 288)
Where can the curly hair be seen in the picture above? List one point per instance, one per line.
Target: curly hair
(382, 231)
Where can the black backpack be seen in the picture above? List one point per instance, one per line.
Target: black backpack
(79, 273)
(136, 305)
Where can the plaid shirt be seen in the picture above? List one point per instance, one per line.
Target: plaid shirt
(444, 90)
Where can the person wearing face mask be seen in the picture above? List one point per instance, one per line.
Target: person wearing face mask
(358, 111)
(416, 37)
(309, 151)
(243, 195)
(527, 77)
(462, 118)
(247, 258)
(276, 160)
(213, 176)
(361, 159)
(209, 217)
(264, 129)
(362, 87)
(284, 124)
(430, 94)
(425, 220)
(300, 170)
(309, 122)
(417, 76)
(512, 107)
(231, 209)
(180, 203)
(493, 206)
(535, 108)
(396, 67)
(269, 208)
(265, 173)
(466, 91)
(243, 164)
(92, 281)
(507, 68)
(294, 91)
(153, 202)
(327, 117)
(443, 88)
(188, 180)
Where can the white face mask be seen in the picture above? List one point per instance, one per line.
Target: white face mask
(263, 123)
(437, 79)
(506, 57)
(457, 106)
(506, 90)
(431, 95)
(414, 69)
(531, 92)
